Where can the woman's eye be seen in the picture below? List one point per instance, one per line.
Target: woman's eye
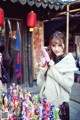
(53, 45)
(59, 45)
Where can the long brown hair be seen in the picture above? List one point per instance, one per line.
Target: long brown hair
(56, 38)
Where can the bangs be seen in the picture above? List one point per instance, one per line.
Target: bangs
(56, 41)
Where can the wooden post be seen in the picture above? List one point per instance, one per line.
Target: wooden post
(30, 74)
(67, 29)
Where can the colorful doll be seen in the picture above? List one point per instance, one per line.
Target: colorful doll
(56, 114)
(40, 111)
(35, 100)
(1, 104)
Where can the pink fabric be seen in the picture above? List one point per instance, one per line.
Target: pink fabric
(18, 58)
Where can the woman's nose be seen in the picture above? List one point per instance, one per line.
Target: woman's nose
(56, 48)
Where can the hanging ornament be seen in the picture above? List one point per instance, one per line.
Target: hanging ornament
(46, 1)
(61, 7)
(1, 17)
(52, 1)
(30, 2)
(23, 2)
(31, 20)
(14, 1)
(44, 5)
(56, 7)
(37, 3)
(51, 6)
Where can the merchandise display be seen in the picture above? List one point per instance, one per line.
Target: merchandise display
(17, 104)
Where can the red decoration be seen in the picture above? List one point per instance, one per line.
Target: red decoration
(31, 20)
(14, 117)
(1, 17)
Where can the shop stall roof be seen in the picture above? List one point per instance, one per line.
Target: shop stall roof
(45, 9)
(45, 3)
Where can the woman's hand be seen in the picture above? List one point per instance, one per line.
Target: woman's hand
(51, 62)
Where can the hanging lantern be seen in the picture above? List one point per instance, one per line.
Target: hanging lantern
(1, 17)
(31, 20)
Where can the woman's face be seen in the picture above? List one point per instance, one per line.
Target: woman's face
(57, 48)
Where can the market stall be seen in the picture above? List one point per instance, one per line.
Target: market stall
(16, 101)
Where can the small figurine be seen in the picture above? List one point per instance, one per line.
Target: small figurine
(27, 95)
(35, 100)
(40, 111)
(56, 114)
(20, 93)
(35, 117)
(5, 103)
(10, 90)
(14, 85)
(1, 104)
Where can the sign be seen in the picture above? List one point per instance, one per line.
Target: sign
(37, 43)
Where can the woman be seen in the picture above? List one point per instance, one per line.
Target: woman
(56, 76)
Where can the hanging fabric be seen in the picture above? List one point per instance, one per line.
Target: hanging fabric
(6, 55)
(18, 54)
(11, 45)
(17, 42)
(5, 68)
(1, 41)
(11, 42)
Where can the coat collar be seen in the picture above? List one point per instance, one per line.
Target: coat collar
(67, 64)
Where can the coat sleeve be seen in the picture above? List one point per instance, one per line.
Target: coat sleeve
(66, 79)
(41, 77)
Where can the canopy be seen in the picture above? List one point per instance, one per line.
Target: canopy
(44, 3)
(52, 3)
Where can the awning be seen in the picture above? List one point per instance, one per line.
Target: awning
(57, 4)
(52, 3)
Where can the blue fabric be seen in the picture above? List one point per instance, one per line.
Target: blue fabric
(17, 42)
(17, 49)
(17, 66)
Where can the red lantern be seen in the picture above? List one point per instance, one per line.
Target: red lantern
(31, 20)
(1, 17)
